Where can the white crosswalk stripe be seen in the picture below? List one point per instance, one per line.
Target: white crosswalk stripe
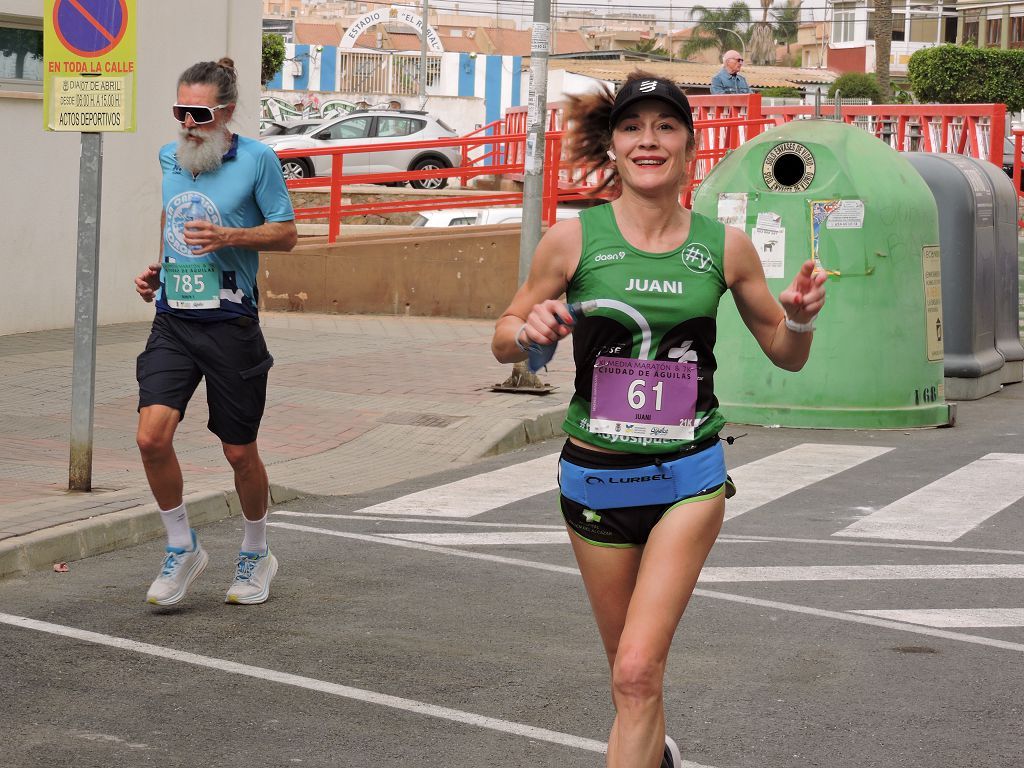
(477, 494)
(773, 477)
(951, 506)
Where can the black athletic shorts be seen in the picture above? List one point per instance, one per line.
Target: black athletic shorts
(230, 354)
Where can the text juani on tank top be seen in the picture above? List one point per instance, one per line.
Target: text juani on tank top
(644, 354)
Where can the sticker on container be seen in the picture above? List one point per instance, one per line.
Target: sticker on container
(820, 211)
(849, 215)
(932, 272)
(732, 209)
(769, 239)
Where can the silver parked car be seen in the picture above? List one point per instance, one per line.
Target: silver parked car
(378, 127)
(271, 129)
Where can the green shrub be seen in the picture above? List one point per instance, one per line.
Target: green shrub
(857, 85)
(783, 92)
(273, 56)
(965, 74)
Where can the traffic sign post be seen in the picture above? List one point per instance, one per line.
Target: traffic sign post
(89, 87)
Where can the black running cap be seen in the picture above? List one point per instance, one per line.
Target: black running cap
(653, 88)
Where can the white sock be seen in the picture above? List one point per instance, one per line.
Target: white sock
(255, 539)
(179, 534)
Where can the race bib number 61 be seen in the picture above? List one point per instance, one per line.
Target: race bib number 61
(645, 398)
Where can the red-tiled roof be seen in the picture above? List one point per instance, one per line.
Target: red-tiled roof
(461, 44)
(317, 34)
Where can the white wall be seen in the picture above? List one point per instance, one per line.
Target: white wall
(39, 192)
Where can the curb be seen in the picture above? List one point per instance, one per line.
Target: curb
(39, 550)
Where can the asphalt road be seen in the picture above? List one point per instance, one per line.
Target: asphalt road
(863, 607)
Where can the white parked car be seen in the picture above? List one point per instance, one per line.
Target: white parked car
(457, 217)
(379, 127)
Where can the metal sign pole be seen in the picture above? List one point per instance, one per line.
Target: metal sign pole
(521, 380)
(83, 375)
(536, 115)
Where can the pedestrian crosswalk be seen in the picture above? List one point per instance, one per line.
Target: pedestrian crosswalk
(944, 510)
(950, 507)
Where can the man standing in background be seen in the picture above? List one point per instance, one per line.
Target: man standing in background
(728, 79)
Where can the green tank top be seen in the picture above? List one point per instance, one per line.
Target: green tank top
(665, 304)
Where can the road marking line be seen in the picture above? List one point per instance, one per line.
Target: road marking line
(477, 494)
(731, 575)
(426, 547)
(766, 480)
(725, 537)
(483, 539)
(421, 521)
(951, 506)
(955, 617)
(309, 683)
(715, 594)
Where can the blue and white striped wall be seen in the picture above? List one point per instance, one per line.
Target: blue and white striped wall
(498, 80)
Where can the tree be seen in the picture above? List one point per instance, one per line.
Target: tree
(881, 28)
(21, 44)
(716, 28)
(856, 85)
(762, 38)
(787, 20)
(648, 46)
(273, 57)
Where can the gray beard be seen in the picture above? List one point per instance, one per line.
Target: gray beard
(206, 156)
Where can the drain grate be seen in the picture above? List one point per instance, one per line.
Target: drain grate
(421, 419)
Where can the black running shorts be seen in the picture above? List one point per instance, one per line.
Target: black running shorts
(231, 354)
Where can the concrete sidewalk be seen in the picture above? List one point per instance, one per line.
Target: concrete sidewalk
(354, 403)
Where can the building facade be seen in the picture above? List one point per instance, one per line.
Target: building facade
(39, 196)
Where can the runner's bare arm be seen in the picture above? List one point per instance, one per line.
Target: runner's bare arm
(147, 281)
(535, 303)
(270, 236)
(763, 315)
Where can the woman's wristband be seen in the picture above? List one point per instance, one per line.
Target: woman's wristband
(518, 342)
(796, 327)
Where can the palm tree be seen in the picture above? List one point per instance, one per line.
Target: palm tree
(716, 28)
(762, 37)
(787, 20)
(648, 46)
(882, 30)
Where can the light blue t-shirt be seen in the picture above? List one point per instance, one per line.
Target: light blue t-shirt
(723, 82)
(247, 190)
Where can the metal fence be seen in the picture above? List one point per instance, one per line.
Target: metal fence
(384, 73)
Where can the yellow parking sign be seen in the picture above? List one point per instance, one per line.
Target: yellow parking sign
(89, 65)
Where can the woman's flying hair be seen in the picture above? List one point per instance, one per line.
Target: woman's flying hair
(589, 133)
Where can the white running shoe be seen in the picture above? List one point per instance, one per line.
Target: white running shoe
(181, 567)
(672, 758)
(253, 574)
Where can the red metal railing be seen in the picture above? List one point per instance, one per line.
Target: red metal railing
(976, 130)
(722, 123)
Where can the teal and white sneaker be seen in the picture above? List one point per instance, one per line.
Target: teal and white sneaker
(181, 567)
(253, 574)
(672, 757)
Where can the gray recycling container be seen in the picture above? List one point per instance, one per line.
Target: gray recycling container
(978, 241)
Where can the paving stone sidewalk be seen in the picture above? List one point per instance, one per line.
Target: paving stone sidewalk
(354, 403)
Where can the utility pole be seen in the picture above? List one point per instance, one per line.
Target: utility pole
(536, 115)
(521, 379)
(423, 54)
